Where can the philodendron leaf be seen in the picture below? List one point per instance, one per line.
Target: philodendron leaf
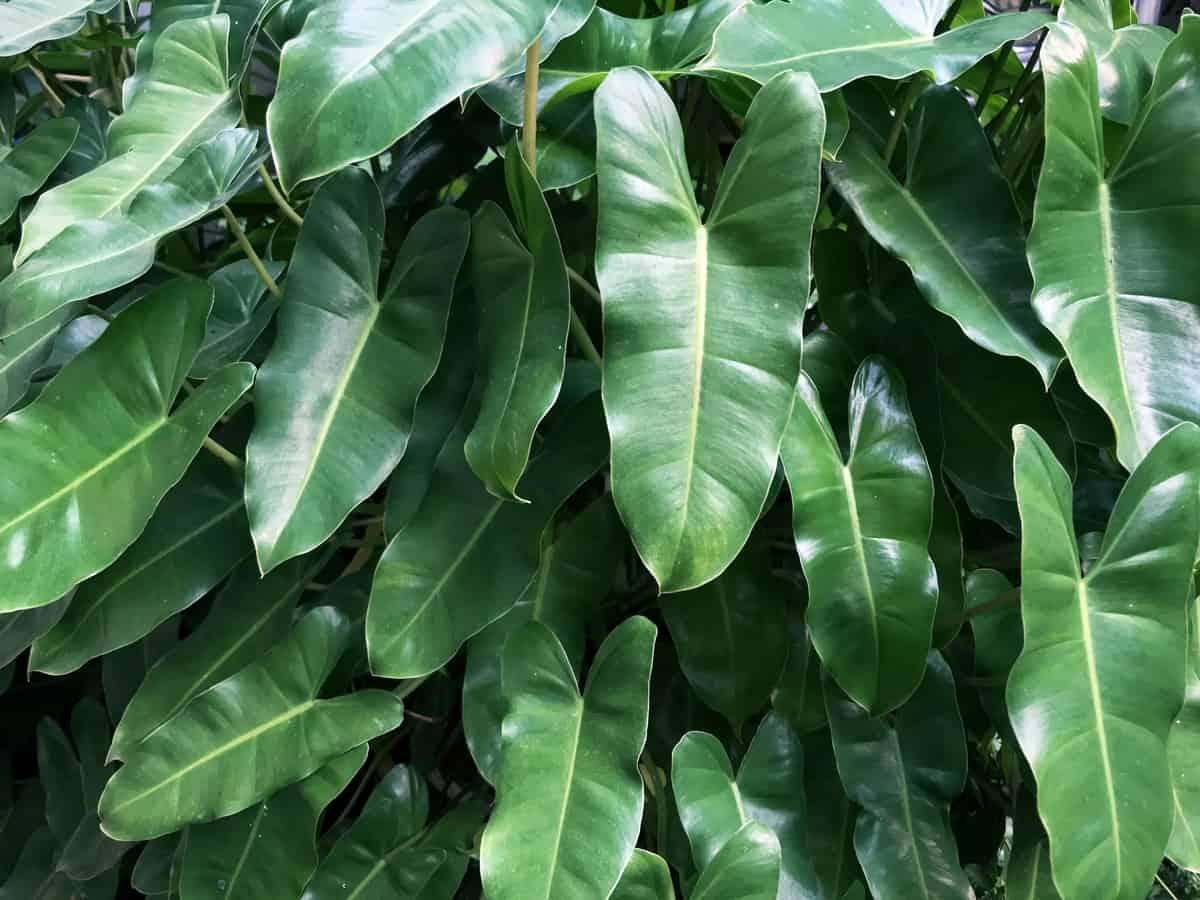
(702, 316)
(188, 99)
(23, 353)
(308, 464)
(265, 723)
(646, 877)
(466, 556)
(1119, 286)
(1027, 875)
(270, 849)
(862, 532)
(524, 315)
(831, 819)
(1182, 747)
(386, 65)
(95, 256)
(969, 261)
(840, 41)
(579, 756)
(797, 694)
(769, 789)
(242, 308)
(1097, 686)
(25, 24)
(731, 635)
(25, 169)
(192, 542)
(20, 629)
(904, 775)
(746, 868)
(58, 524)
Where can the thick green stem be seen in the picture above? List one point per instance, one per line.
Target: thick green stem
(529, 134)
(910, 97)
(583, 284)
(583, 339)
(281, 201)
(1023, 85)
(226, 456)
(235, 229)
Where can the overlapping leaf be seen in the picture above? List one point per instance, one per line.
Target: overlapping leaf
(25, 24)
(25, 168)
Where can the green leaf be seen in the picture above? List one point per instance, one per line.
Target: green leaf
(831, 819)
(646, 877)
(840, 41)
(1118, 286)
(578, 755)
(242, 308)
(186, 771)
(95, 256)
(248, 617)
(386, 66)
(1182, 746)
(466, 556)
(123, 671)
(904, 776)
(702, 319)
(524, 315)
(307, 464)
(270, 849)
(969, 261)
(152, 871)
(572, 580)
(1027, 875)
(31, 162)
(998, 639)
(34, 868)
(566, 150)
(193, 541)
(746, 868)
(1097, 686)
(797, 694)
(30, 22)
(731, 636)
(23, 352)
(58, 524)
(187, 100)
(18, 630)
(90, 147)
(769, 789)
(862, 533)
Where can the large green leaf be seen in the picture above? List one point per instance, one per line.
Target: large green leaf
(95, 256)
(29, 22)
(466, 556)
(123, 671)
(188, 99)
(385, 66)
(904, 775)
(20, 629)
(578, 756)
(573, 578)
(242, 308)
(1116, 280)
(1183, 745)
(25, 169)
(1027, 875)
(746, 868)
(862, 532)
(731, 635)
(702, 318)
(270, 849)
(248, 617)
(831, 819)
(524, 315)
(91, 144)
(265, 723)
(646, 877)
(194, 540)
(797, 693)
(838, 41)
(23, 353)
(73, 449)
(335, 400)
(1098, 683)
(968, 260)
(769, 789)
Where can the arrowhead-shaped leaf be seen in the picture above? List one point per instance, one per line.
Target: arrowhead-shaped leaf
(746, 868)
(242, 308)
(1183, 745)
(646, 877)
(24, 24)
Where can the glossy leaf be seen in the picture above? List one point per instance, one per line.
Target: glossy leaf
(59, 491)
(1027, 875)
(25, 169)
(720, 341)
(1097, 686)
(862, 532)
(242, 308)
(25, 24)
(904, 776)
(842, 40)
(1183, 848)
(353, 62)
(797, 694)
(265, 721)
(831, 820)
(23, 352)
(579, 754)
(309, 462)
(746, 868)
(646, 877)
(1128, 320)
(18, 630)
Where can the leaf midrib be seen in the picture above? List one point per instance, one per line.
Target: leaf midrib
(83, 9)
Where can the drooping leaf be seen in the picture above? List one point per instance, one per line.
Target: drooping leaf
(355, 62)
(646, 877)
(731, 636)
(1097, 686)
(23, 353)
(187, 771)
(18, 630)
(58, 525)
(524, 315)
(123, 671)
(904, 776)
(242, 308)
(702, 317)
(840, 41)
(797, 694)
(831, 819)
(152, 871)
(30, 22)
(968, 260)
(466, 557)
(25, 169)
(1183, 848)
(862, 532)
(326, 435)
(95, 256)
(1114, 281)
(188, 100)
(578, 755)
(746, 868)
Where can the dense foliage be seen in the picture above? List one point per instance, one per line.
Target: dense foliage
(560, 450)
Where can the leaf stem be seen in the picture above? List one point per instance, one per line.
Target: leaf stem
(529, 133)
(910, 97)
(226, 456)
(1024, 83)
(281, 201)
(235, 229)
(583, 339)
(583, 284)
